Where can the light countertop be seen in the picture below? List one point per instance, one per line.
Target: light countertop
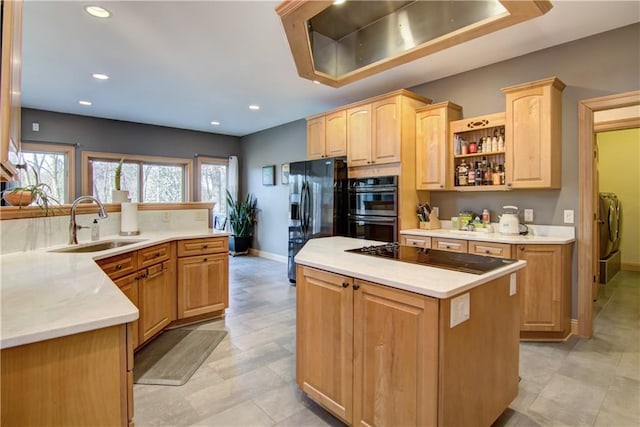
(538, 234)
(329, 254)
(48, 295)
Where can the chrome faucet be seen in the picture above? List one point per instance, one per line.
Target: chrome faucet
(73, 226)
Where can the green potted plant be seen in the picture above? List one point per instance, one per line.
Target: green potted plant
(118, 195)
(37, 193)
(242, 217)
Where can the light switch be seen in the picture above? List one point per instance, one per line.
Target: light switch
(460, 309)
(568, 216)
(35, 126)
(528, 215)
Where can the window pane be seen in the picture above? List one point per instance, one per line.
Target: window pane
(213, 185)
(163, 183)
(51, 170)
(104, 175)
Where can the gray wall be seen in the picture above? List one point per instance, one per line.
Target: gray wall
(275, 146)
(114, 136)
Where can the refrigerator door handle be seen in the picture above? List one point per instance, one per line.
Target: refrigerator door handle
(307, 207)
(302, 202)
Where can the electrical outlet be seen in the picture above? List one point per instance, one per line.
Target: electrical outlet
(436, 211)
(568, 216)
(528, 215)
(460, 309)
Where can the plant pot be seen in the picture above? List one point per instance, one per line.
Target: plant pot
(239, 245)
(119, 196)
(18, 198)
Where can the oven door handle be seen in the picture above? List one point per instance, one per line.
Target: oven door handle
(374, 189)
(373, 219)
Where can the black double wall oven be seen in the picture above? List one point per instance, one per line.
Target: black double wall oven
(373, 208)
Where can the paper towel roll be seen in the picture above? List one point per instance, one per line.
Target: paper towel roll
(129, 218)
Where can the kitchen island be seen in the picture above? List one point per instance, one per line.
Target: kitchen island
(385, 342)
(67, 328)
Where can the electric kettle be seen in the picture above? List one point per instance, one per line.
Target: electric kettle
(509, 223)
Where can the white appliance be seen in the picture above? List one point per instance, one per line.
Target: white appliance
(509, 223)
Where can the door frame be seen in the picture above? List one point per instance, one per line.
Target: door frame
(587, 187)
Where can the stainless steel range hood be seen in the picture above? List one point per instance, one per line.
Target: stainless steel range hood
(341, 43)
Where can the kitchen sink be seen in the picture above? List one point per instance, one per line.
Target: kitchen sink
(98, 246)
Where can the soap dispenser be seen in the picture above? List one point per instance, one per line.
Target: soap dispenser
(95, 230)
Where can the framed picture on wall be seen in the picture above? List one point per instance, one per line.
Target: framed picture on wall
(285, 173)
(269, 175)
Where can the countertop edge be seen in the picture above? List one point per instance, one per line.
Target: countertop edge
(490, 237)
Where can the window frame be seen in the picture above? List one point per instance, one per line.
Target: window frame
(201, 160)
(69, 151)
(187, 164)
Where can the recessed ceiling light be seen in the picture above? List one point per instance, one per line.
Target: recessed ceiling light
(84, 103)
(254, 107)
(214, 123)
(97, 11)
(100, 76)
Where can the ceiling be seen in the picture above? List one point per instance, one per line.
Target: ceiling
(185, 64)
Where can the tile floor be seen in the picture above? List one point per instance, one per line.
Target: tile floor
(249, 379)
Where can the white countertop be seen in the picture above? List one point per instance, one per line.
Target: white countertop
(329, 254)
(48, 295)
(538, 234)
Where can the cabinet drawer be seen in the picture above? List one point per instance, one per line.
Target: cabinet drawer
(119, 265)
(501, 250)
(209, 245)
(417, 241)
(154, 255)
(451, 245)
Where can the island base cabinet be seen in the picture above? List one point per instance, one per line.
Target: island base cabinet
(379, 356)
(395, 357)
(79, 379)
(202, 284)
(156, 297)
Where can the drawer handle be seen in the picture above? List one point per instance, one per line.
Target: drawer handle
(205, 246)
(356, 286)
(157, 254)
(522, 248)
(157, 274)
(119, 267)
(345, 284)
(205, 260)
(487, 251)
(141, 276)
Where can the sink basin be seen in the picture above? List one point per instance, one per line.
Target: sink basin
(98, 246)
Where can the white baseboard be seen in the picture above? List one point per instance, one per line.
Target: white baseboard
(268, 255)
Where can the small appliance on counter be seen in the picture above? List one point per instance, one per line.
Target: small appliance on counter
(509, 223)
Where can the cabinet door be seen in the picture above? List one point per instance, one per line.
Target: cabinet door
(500, 250)
(395, 357)
(315, 138)
(359, 135)
(385, 146)
(540, 284)
(324, 339)
(10, 87)
(336, 134)
(129, 286)
(156, 296)
(202, 284)
(451, 245)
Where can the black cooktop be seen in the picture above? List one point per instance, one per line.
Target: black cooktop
(467, 263)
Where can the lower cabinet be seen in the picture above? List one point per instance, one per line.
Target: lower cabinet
(203, 276)
(375, 355)
(156, 298)
(546, 291)
(129, 286)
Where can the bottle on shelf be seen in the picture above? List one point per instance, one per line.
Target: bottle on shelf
(494, 142)
(496, 175)
(501, 171)
(486, 179)
(501, 142)
(458, 145)
(463, 171)
(472, 175)
(479, 173)
(485, 216)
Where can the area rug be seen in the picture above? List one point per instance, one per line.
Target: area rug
(174, 356)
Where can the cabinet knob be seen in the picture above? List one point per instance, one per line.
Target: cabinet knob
(205, 260)
(522, 248)
(368, 162)
(157, 254)
(441, 186)
(119, 267)
(205, 246)
(508, 184)
(356, 286)
(345, 284)
(487, 251)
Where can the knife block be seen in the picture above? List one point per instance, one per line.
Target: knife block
(432, 224)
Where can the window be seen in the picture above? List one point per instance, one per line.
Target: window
(213, 182)
(149, 179)
(55, 166)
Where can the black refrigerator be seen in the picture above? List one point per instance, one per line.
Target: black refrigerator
(317, 203)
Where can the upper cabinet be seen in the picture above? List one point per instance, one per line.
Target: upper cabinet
(534, 134)
(327, 135)
(379, 129)
(10, 87)
(432, 148)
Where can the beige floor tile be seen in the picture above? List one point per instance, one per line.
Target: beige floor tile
(623, 398)
(249, 360)
(245, 414)
(629, 366)
(282, 402)
(609, 419)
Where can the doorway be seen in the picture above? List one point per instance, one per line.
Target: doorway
(589, 122)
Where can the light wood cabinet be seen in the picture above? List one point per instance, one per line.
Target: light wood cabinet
(375, 355)
(451, 245)
(327, 135)
(203, 276)
(546, 291)
(119, 265)
(128, 285)
(415, 240)
(432, 146)
(534, 134)
(156, 297)
(80, 379)
(499, 250)
(359, 135)
(10, 87)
